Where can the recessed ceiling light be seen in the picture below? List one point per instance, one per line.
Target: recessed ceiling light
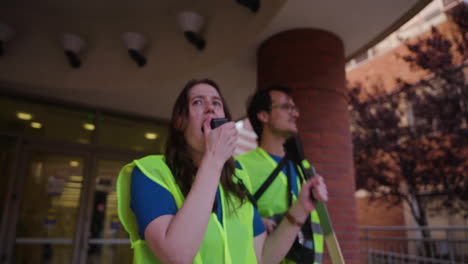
(89, 126)
(36, 125)
(24, 115)
(151, 136)
(74, 163)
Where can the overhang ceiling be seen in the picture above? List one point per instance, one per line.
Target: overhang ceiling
(34, 63)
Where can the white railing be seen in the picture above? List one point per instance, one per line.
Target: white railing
(444, 245)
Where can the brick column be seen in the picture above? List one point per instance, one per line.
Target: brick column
(312, 62)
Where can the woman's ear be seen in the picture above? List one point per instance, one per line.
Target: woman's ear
(179, 123)
(263, 116)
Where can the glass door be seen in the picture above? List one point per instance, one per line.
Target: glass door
(48, 218)
(107, 241)
(65, 209)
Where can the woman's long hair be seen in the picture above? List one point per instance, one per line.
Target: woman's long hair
(177, 155)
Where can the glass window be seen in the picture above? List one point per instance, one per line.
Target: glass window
(134, 134)
(33, 119)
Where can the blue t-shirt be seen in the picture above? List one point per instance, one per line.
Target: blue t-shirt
(292, 171)
(150, 200)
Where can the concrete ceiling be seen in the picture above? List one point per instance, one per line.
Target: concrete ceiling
(34, 63)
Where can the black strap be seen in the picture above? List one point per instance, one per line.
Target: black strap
(249, 195)
(270, 179)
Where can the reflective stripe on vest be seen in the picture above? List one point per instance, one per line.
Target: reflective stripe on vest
(229, 243)
(258, 165)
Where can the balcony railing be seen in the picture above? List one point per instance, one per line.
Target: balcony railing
(444, 245)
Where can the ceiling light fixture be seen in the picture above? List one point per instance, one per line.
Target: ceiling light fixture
(89, 126)
(36, 125)
(24, 116)
(6, 34)
(191, 24)
(151, 136)
(74, 163)
(253, 5)
(135, 42)
(73, 45)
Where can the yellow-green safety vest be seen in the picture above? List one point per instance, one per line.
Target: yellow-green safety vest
(258, 165)
(230, 243)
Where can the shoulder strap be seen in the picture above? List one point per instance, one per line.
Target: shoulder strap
(249, 195)
(270, 179)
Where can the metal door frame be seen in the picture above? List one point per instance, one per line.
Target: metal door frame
(9, 197)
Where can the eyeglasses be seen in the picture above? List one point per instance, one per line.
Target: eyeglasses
(290, 108)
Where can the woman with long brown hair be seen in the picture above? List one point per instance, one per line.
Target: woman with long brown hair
(189, 205)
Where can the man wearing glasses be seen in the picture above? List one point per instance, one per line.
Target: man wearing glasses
(273, 116)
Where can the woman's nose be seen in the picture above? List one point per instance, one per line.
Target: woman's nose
(209, 108)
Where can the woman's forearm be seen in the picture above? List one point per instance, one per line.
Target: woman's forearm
(185, 231)
(278, 243)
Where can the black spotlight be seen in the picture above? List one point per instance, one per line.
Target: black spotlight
(137, 57)
(73, 45)
(135, 43)
(192, 24)
(253, 5)
(195, 40)
(73, 59)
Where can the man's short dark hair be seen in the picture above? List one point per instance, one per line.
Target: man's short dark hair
(261, 101)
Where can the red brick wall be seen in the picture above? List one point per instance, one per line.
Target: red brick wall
(383, 69)
(379, 213)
